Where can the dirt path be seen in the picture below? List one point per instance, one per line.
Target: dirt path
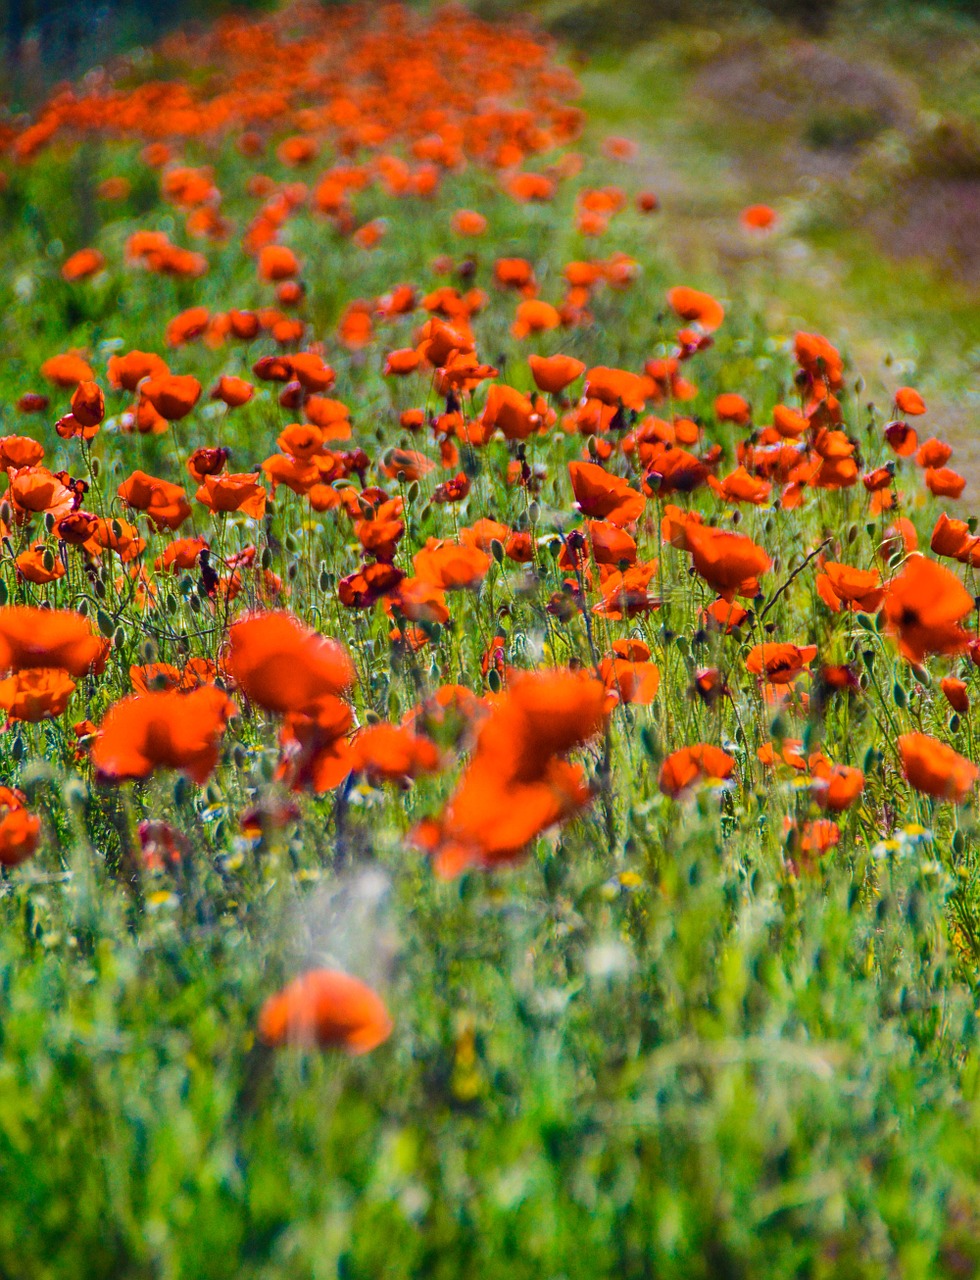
(831, 266)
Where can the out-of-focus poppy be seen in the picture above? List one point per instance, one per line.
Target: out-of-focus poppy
(283, 666)
(684, 768)
(935, 768)
(923, 608)
(325, 1009)
(168, 730)
(31, 638)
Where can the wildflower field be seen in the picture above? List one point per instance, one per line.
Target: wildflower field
(488, 784)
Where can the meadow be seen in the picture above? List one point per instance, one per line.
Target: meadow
(488, 783)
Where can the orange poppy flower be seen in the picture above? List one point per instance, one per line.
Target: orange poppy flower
(685, 768)
(40, 565)
(902, 438)
(630, 679)
(724, 615)
(909, 402)
(626, 593)
(325, 1009)
(81, 265)
(836, 787)
(277, 262)
(788, 422)
(740, 486)
(789, 754)
(758, 217)
(552, 374)
(933, 453)
(695, 307)
(36, 694)
(944, 482)
(779, 663)
(617, 387)
(450, 566)
(172, 395)
(224, 493)
(165, 503)
(400, 363)
(517, 784)
(67, 370)
(234, 392)
(20, 833)
(128, 371)
(604, 496)
(534, 316)
(510, 412)
(31, 638)
(332, 417)
(955, 693)
(392, 753)
(168, 730)
(860, 590)
(406, 464)
(923, 608)
(187, 326)
(19, 451)
(466, 222)
(730, 407)
(878, 480)
(363, 589)
(283, 666)
(819, 360)
(729, 562)
(953, 538)
(935, 768)
(154, 677)
(88, 404)
(115, 535)
(526, 187)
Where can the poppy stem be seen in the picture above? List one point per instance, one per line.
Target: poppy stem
(794, 575)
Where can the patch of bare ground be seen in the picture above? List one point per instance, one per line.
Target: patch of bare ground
(933, 219)
(811, 86)
(828, 107)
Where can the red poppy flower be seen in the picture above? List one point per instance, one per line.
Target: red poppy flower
(283, 666)
(923, 608)
(955, 692)
(690, 765)
(324, 1009)
(935, 768)
(36, 694)
(603, 495)
(860, 590)
(31, 638)
(166, 730)
(729, 562)
(696, 308)
(552, 374)
(779, 663)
